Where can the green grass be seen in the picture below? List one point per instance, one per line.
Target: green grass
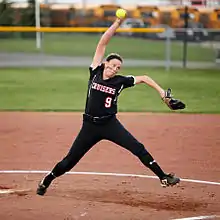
(84, 45)
(64, 89)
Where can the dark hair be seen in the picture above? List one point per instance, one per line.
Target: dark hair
(114, 56)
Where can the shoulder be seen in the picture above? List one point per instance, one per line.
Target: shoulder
(126, 78)
(127, 81)
(118, 79)
(121, 77)
(96, 70)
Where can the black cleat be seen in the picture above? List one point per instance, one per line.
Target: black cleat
(169, 180)
(41, 189)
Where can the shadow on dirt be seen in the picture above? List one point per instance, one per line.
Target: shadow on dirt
(137, 199)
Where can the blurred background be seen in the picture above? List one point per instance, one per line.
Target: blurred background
(176, 42)
(191, 28)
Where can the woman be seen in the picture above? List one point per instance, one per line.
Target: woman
(100, 121)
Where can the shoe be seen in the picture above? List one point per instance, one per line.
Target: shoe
(41, 189)
(169, 180)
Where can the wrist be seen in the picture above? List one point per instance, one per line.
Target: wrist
(118, 21)
(162, 93)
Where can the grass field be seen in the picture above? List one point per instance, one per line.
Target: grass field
(84, 45)
(65, 90)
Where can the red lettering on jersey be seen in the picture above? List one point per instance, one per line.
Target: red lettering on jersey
(112, 91)
(98, 86)
(102, 88)
(94, 85)
(107, 89)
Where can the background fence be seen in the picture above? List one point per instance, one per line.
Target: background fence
(180, 35)
(164, 37)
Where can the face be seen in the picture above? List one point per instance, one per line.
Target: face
(112, 67)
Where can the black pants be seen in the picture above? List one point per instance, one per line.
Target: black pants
(91, 133)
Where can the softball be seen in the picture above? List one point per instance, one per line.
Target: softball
(121, 13)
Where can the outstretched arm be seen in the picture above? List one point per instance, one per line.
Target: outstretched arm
(173, 104)
(100, 49)
(147, 80)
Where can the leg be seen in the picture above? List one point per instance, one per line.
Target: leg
(86, 138)
(122, 137)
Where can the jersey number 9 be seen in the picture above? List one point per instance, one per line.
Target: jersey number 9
(108, 102)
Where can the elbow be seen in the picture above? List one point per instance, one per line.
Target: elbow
(142, 79)
(145, 78)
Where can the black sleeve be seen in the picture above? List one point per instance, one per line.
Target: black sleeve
(95, 71)
(128, 81)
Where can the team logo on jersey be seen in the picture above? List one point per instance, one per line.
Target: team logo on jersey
(102, 88)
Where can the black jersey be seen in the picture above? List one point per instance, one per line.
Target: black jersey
(102, 95)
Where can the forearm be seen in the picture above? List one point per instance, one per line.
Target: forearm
(150, 82)
(110, 32)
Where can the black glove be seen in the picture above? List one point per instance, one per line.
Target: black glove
(174, 104)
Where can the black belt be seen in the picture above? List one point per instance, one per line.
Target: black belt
(97, 120)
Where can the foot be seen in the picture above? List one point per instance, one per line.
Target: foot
(41, 189)
(169, 180)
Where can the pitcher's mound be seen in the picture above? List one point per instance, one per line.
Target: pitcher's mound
(19, 192)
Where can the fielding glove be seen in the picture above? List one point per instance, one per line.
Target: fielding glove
(173, 104)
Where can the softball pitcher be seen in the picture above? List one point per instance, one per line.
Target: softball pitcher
(99, 119)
